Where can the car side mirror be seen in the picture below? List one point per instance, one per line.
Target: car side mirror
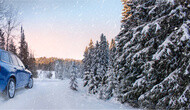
(26, 66)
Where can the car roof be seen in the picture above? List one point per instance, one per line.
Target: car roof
(1, 50)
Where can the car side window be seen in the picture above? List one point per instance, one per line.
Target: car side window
(14, 60)
(5, 57)
(20, 62)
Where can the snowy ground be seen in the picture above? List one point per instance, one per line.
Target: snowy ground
(55, 94)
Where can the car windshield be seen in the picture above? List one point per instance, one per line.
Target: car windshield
(14, 60)
(20, 62)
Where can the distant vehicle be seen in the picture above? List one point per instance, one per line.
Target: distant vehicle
(13, 74)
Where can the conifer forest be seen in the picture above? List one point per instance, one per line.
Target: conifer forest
(148, 63)
(144, 66)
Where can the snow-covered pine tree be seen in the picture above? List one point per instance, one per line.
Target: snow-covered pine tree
(111, 81)
(104, 55)
(95, 63)
(94, 77)
(12, 47)
(104, 63)
(88, 61)
(2, 40)
(152, 65)
(74, 77)
(172, 61)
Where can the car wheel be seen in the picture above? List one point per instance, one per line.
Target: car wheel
(30, 83)
(11, 87)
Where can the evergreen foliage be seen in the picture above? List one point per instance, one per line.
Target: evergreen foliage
(149, 64)
(26, 57)
(110, 82)
(126, 10)
(153, 55)
(64, 68)
(96, 62)
(23, 53)
(73, 77)
(12, 47)
(88, 62)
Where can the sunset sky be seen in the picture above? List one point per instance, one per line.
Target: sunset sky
(63, 28)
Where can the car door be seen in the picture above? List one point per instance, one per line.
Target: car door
(25, 74)
(18, 71)
(6, 69)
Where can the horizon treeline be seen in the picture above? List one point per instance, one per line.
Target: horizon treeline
(149, 64)
(63, 67)
(45, 63)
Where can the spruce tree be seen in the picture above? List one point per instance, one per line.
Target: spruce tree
(95, 76)
(96, 62)
(104, 62)
(104, 55)
(23, 53)
(74, 77)
(88, 62)
(111, 77)
(152, 57)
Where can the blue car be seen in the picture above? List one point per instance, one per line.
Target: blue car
(13, 74)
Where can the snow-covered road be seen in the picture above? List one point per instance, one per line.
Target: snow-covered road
(56, 94)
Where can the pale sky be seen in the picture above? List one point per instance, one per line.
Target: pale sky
(63, 28)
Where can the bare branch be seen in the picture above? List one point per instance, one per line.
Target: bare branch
(10, 24)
